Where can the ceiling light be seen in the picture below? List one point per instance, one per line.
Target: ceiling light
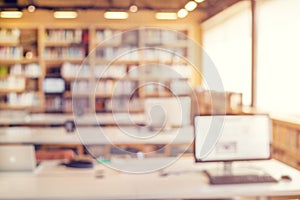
(11, 14)
(182, 13)
(115, 15)
(166, 15)
(133, 8)
(65, 14)
(31, 8)
(199, 1)
(190, 6)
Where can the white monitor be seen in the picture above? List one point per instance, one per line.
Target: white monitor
(53, 85)
(232, 137)
(169, 112)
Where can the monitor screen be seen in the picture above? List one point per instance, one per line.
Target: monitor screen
(53, 85)
(168, 112)
(240, 137)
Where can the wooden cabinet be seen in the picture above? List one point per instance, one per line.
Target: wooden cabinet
(286, 141)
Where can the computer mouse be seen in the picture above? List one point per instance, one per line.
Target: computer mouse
(286, 178)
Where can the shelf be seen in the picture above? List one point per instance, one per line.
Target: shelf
(9, 43)
(14, 107)
(127, 78)
(62, 44)
(60, 61)
(11, 90)
(156, 94)
(121, 111)
(116, 62)
(163, 62)
(111, 96)
(70, 79)
(18, 61)
(69, 94)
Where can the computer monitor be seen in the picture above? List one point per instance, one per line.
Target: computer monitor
(240, 137)
(228, 138)
(53, 85)
(168, 112)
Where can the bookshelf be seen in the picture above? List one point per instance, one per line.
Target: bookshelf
(80, 55)
(20, 70)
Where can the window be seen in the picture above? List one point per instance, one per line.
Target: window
(278, 56)
(227, 41)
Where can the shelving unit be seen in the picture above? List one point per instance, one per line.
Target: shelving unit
(20, 71)
(60, 52)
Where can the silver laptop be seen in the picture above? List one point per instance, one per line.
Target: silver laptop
(17, 158)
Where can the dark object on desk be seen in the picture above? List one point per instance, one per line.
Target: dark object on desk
(79, 164)
(243, 179)
(70, 126)
(286, 178)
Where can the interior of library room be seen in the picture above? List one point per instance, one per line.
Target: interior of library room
(149, 99)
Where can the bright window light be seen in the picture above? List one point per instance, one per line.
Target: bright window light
(199, 1)
(190, 6)
(166, 15)
(182, 13)
(115, 15)
(11, 14)
(65, 14)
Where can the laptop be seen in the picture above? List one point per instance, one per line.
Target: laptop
(17, 158)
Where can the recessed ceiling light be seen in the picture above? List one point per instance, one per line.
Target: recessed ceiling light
(11, 14)
(182, 13)
(31, 8)
(65, 14)
(166, 15)
(190, 6)
(115, 15)
(133, 8)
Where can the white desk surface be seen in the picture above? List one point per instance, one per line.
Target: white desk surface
(185, 180)
(94, 135)
(58, 119)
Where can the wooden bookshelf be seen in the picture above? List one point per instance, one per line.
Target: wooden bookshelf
(20, 68)
(53, 47)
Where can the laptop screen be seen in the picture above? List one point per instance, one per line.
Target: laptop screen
(17, 158)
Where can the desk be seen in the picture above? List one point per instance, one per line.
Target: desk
(185, 181)
(94, 136)
(59, 119)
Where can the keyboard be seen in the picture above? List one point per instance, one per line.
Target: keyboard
(244, 179)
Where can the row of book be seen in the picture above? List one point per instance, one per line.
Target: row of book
(125, 53)
(66, 35)
(72, 70)
(12, 83)
(64, 53)
(157, 37)
(30, 99)
(31, 70)
(60, 104)
(9, 35)
(107, 34)
(82, 105)
(176, 71)
(11, 52)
